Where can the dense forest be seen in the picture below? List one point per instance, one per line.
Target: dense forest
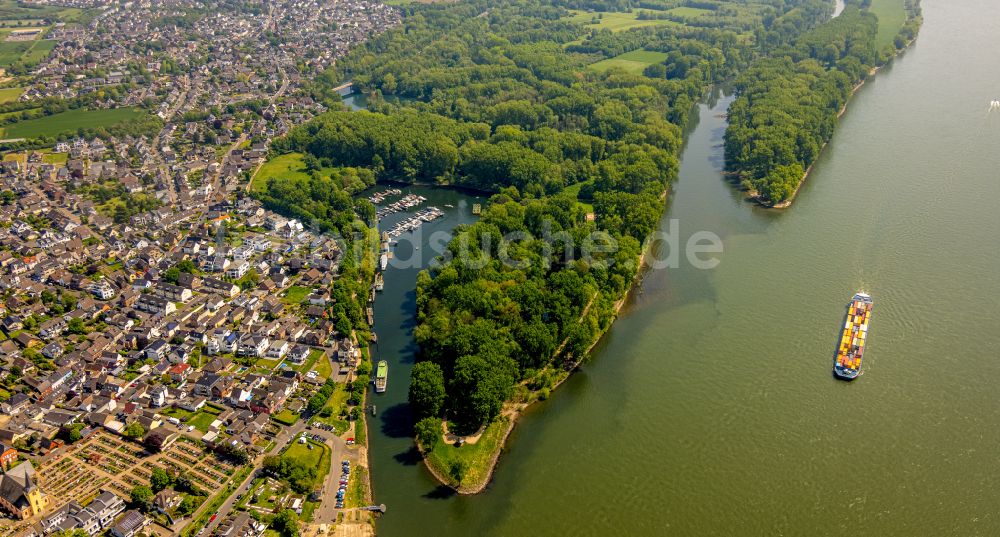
(497, 96)
(789, 101)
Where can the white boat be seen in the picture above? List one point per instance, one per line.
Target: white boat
(383, 261)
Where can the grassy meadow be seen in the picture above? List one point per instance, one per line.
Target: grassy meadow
(891, 16)
(615, 21)
(634, 62)
(69, 121)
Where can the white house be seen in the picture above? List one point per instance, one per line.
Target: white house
(278, 349)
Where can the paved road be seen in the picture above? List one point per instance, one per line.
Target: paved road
(280, 441)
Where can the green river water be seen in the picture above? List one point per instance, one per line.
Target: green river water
(710, 407)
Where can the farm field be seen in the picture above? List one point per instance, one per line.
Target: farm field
(614, 21)
(634, 62)
(39, 51)
(10, 94)
(69, 121)
(891, 16)
(29, 52)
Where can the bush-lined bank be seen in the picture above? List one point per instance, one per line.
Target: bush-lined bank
(788, 104)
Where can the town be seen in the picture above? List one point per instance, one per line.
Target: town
(175, 358)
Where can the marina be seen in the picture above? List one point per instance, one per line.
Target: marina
(381, 196)
(409, 201)
(418, 219)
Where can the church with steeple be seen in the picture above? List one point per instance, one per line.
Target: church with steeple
(20, 494)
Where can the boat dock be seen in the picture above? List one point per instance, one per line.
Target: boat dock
(418, 219)
(379, 197)
(408, 202)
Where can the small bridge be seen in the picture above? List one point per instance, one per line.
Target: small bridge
(345, 89)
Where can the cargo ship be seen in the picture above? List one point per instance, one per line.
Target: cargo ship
(381, 376)
(851, 348)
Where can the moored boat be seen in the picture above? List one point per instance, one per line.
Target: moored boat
(381, 376)
(379, 281)
(851, 348)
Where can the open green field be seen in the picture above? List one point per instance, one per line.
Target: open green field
(475, 457)
(891, 17)
(615, 21)
(10, 94)
(69, 121)
(287, 165)
(634, 62)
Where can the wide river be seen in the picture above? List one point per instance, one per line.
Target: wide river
(710, 408)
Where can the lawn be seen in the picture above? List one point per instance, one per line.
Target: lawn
(296, 294)
(312, 360)
(10, 94)
(201, 420)
(891, 17)
(323, 366)
(616, 22)
(476, 457)
(267, 363)
(70, 121)
(634, 62)
(318, 456)
(175, 412)
(55, 158)
(286, 417)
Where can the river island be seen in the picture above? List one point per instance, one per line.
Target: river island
(571, 121)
